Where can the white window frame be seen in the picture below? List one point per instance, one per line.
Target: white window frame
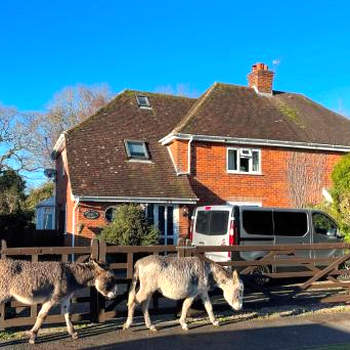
(239, 156)
(145, 150)
(144, 106)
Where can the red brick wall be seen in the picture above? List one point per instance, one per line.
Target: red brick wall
(178, 151)
(212, 184)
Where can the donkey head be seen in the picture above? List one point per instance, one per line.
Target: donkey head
(233, 288)
(105, 281)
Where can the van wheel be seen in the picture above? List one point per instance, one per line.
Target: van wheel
(259, 275)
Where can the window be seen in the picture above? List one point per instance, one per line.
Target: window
(136, 149)
(290, 223)
(143, 101)
(324, 225)
(110, 214)
(213, 222)
(243, 160)
(257, 222)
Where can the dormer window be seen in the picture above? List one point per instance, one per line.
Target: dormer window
(136, 149)
(143, 101)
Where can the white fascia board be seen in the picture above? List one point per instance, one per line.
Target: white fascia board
(138, 199)
(258, 142)
(59, 143)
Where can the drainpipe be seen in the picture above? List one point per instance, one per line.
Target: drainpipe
(189, 156)
(74, 224)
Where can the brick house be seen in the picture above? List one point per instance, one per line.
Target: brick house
(233, 144)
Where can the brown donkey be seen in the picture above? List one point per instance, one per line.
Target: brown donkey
(50, 283)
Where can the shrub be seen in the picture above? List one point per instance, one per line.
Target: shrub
(130, 227)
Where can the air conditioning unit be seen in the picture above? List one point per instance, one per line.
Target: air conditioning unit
(245, 152)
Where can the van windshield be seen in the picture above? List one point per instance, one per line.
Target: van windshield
(212, 223)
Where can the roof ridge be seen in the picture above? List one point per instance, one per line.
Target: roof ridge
(162, 94)
(194, 108)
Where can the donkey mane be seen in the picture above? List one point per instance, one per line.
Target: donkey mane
(83, 273)
(218, 272)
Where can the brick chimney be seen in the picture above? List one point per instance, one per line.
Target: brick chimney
(261, 78)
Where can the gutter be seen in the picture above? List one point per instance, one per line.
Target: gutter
(161, 200)
(259, 142)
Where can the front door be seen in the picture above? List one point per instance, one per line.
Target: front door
(164, 220)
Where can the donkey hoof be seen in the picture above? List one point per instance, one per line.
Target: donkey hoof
(216, 323)
(75, 336)
(184, 326)
(32, 337)
(153, 328)
(125, 326)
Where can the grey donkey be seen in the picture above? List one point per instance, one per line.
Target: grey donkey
(181, 278)
(49, 283)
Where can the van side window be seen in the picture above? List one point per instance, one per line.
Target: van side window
(214, 222)
(324, 225)
(258, 222)
(290, 223)
(202, 222)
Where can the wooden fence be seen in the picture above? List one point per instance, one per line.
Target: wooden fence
(318, 272)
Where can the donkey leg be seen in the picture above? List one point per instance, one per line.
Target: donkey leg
(145, 309)
(139, 298)
(39, 320)
(209, 309)
(185, 306)
(65, 310)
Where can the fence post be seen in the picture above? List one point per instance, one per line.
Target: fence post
(97, 303)
(2, 305)
(180, 245)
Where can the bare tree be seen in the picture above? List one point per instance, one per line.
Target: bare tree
(305, 172)
(69, 107)
(180, 90)
(13, 154)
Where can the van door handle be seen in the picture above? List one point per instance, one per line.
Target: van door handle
(201, 243)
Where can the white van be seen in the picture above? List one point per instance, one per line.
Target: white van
(246, 225)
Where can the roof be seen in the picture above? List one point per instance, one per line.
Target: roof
(97, 160)
(98, 163)
(236, 111)
(49, 202)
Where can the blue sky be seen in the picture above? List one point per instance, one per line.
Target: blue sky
(47, 45)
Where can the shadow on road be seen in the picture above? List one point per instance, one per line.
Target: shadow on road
(269, 338)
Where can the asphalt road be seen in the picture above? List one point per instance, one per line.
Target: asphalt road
(284, 333)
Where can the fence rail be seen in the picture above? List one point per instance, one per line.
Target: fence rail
(122, 259)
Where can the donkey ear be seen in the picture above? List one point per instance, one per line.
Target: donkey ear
(235, 276)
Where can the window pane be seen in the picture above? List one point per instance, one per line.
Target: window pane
(244, 164)
(170, 222)
(136, 149)
(232, 159)
(150, 214)
(202, 222)
(218, 222)
(161, 220)
(143, 101)
(258, 222)
(290, 224)
(323, 224)
(256, 161)
(110, 214)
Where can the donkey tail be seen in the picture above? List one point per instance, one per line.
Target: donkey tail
(132, 291)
